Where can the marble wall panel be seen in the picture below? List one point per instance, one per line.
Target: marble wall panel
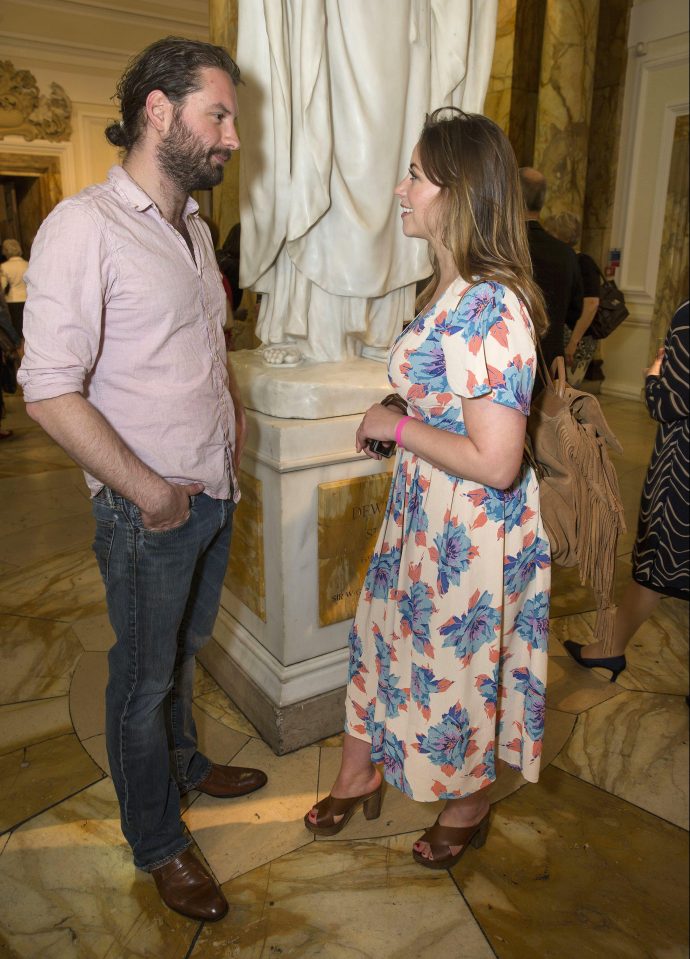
(529, 36)
(499, 92)
(565, 100)
(605, 126)
(223, 26)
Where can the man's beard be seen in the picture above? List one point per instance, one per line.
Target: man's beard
(186, 161)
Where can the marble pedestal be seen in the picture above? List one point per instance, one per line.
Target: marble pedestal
(283, 669)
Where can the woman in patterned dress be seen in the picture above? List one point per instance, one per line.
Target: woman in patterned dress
(448, 646)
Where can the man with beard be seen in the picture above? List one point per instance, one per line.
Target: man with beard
(125, 367)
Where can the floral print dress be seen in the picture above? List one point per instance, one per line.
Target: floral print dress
(448, 649)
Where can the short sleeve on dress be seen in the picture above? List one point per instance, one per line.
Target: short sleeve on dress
(489, 347)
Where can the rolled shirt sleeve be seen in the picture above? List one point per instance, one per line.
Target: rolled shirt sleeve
(69, 279)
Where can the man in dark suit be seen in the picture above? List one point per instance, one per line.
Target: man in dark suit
(555, 267)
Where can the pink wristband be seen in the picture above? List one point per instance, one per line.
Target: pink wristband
(399, 428)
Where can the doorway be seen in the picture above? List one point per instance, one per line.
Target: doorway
(30, 186)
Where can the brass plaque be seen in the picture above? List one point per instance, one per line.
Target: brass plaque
(245, 577)
(350, 515)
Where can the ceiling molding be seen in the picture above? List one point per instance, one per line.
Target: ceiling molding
(164, 17)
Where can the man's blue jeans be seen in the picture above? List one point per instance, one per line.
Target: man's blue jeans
(163, 592)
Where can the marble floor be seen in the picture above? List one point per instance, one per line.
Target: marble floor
(590, 862)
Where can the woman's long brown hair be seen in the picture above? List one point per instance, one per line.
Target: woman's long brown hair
(481, 210)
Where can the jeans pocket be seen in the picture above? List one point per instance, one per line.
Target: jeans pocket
(102, 546)
(156, 533)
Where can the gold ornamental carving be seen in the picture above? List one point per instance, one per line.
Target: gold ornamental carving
(350, 515)
(26, 112)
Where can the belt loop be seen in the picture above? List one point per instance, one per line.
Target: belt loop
(109, 496)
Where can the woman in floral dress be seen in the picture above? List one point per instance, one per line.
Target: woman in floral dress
(448, 647)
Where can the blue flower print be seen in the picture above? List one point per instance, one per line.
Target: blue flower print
(445, 416)
(382, 574)
(423, 684)
(416, 520)
(427, 365)
(356, 665)
(486, 769)
(396, 503)
(488, 689)
(520, 570)
(532, 622)
(507, 507)
(453, 553)
(392, 698)
(450, 741)
(513, 385)
(473, 629)
(394, 756)
(415, 610)
(534, 692)
(367, 726)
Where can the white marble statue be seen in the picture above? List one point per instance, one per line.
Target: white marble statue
(335, 98)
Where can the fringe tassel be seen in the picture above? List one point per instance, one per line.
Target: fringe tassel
(599, 513)
(604, 627)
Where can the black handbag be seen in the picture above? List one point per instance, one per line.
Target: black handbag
(612, 310)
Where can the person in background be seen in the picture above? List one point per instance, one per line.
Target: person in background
(555, 267)
(125, 368)
(12, 281)
(448, 650)
(661, 555)
(9, 352)
(579, 347)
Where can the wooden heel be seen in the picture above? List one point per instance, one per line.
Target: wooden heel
(372, 806)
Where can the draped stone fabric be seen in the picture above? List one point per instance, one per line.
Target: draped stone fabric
(334, 101)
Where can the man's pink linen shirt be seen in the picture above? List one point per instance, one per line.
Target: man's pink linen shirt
(118, 310)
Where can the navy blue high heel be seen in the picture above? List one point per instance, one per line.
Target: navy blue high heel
(615, 663)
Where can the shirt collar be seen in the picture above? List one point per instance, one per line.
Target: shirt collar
(122, 182)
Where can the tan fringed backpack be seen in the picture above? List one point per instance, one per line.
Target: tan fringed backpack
(568, 442)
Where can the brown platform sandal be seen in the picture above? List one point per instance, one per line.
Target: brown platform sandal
(330, 807)
(441, 838)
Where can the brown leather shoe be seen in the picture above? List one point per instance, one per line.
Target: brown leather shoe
(185, 886)
(226, 782)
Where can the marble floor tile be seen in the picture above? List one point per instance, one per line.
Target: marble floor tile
(70, 891)
(569, 687)
(569, 872)
(87, 694)
(214, 701)
(237, 835)
(367, 900)
(25, 509)
(33, 779)
(635, 747)
(23, 724)
(39, 543)
(18, 491)
(37, 657)
(66, 587)
(657, 655)
(94, 633)
(96, 748)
